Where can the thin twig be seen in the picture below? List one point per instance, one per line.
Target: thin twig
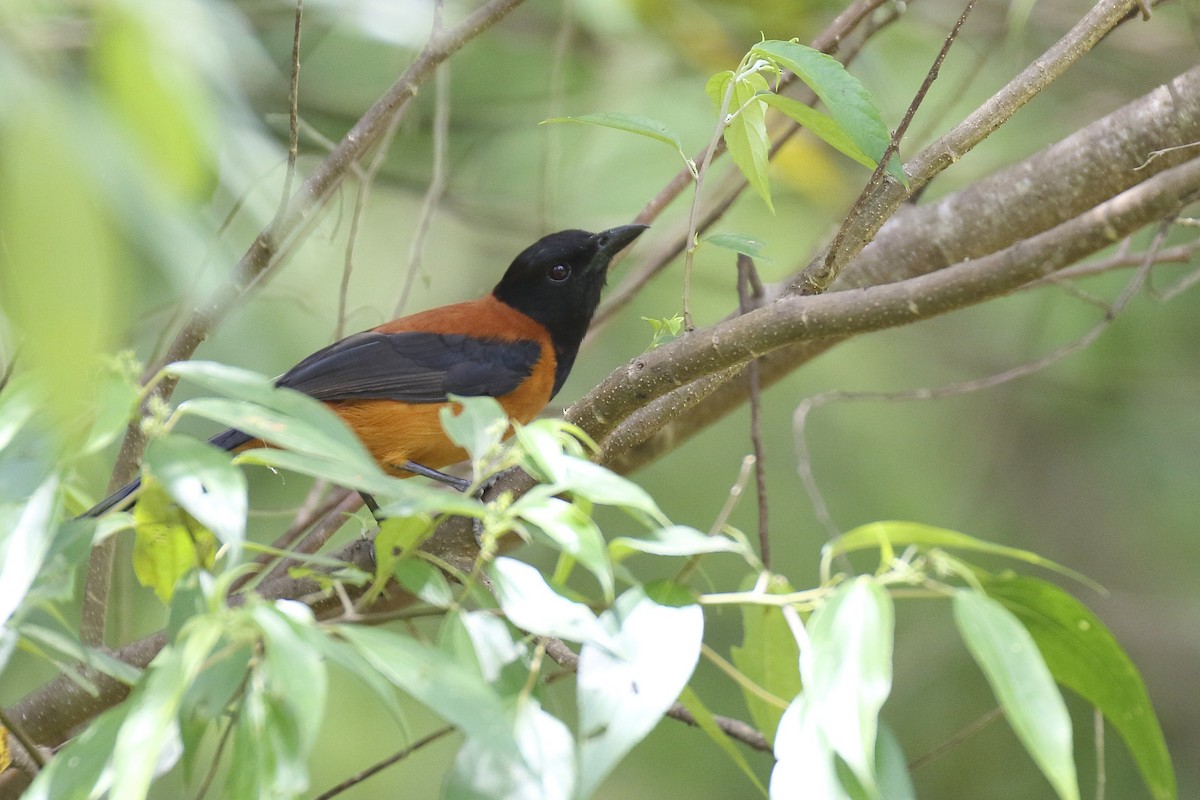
(293, 115)
(957, 739)
(360, 204)
(750, 295)
(437, 178)
(375, 769)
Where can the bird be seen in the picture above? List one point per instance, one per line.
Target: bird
(516, 344)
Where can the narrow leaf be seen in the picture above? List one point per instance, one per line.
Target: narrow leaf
(745, 127)
(848, 101)
(905, 534)
(707, 723)
(847, 672)
(1022, 684)
(1084, 656)
(822, 125)
(746, 245)
(676, 540)
(24, 545)
(630, 123)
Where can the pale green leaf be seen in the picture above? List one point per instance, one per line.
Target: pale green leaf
(569, 529)
(25, 540)
(804, 761)
(1022, 683)
(623, 694)
(904, 534)
(202, 480)
(477, 426)
(847, 672)
(424, 581)
(676, 540)
(542, 767)
(168, 543)
(151, 730)
(433, 678)
(533, 606)
(745, 127)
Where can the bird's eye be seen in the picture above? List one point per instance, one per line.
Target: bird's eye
(559, 273)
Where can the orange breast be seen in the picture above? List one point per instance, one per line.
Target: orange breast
(395, 432)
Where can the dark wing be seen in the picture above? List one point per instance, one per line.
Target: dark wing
(413, 367)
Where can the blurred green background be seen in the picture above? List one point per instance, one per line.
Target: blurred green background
(142, 149)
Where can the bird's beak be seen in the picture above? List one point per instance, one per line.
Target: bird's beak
(613, 241)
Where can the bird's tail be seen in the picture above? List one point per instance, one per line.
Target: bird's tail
(229, 439)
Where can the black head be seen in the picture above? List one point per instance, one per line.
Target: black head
(557, 281)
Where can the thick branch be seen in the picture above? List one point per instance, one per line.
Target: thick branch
(793, 319)
(1048, 188)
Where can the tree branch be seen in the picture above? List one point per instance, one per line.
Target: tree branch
(1046, 189)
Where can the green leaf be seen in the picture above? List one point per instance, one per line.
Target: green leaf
(745, 127)
(824, 126)
(1022, 683)
(630, 123)
(533, 606)
(68, 644)
(848, 101)
(1083, 655)
(151, 727)
(168, 543)
(707, 723)
(431, 677)
(202, 480)
(18, 404)
(600, 485)
(542, 767)
(477, 427)
(569, 529)
(622, 694)
(770, 658)
(746, 245)
(281, 416)
(424, 581)
(894, 781)
(904, 534)
(847, 672)
(25, 540)
(116, 394)
(293, 668)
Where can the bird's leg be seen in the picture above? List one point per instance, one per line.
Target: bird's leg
(371, 503)
(462, 484)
